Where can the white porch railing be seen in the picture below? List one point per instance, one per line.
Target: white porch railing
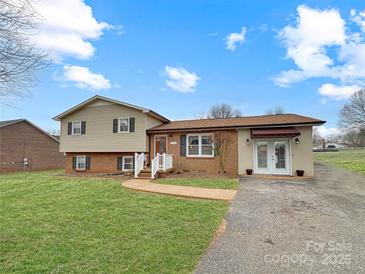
(161, 162)
(155, 165)
(167, 161)
(138, 163)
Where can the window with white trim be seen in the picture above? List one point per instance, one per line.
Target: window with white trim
(127, 163)
(200, 145)
(80, 162)
(123, 125)
(76, 128)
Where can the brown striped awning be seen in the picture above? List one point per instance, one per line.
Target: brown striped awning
(288, 132)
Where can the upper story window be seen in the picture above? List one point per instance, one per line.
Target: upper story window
(76, 128)
(200, 145)
(123, 125)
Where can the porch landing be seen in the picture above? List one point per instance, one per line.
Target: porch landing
(274, 177)
(181, 191)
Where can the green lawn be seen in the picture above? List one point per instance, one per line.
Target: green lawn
(349, 159)
(55, 224)
(201, 182)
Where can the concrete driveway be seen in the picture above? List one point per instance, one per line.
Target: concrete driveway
(315, 226)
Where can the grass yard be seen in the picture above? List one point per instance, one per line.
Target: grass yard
(201, 182)
(349, 159)
(55, 224)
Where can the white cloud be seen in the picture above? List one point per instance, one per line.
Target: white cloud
(84, 78)
(234, 38)
(353, 56)
(180, 79)
(358, 18)
(324, 132)
(66, 28)
(337, 92)
(308, 42)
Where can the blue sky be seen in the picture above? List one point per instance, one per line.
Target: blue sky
(180, 57)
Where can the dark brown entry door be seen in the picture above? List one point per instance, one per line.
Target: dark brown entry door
(160, 144)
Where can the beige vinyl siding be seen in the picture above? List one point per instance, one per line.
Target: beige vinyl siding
(99, 135)
(245, 152)
(302, 153)
(150, 123)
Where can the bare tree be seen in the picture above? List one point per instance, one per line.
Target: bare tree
(201, 115)
(352, 119)
(54, 132)
(221, 143)
(317, 138)
(19, 58)
(351, 138)
(352, 115)
(223, 111)
(275, 111)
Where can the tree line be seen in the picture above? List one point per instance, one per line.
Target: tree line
(351, 124)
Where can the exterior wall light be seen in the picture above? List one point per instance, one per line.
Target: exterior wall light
(297, 141)
(248, 142)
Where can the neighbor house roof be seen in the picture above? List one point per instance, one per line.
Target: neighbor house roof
(98, 97)
(239, 122)
(9, 122)
(12, 122)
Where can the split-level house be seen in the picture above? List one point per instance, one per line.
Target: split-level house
(103, 135)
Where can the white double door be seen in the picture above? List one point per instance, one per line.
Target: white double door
(272, 156)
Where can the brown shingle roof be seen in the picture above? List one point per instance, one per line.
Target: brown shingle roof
(248, 121)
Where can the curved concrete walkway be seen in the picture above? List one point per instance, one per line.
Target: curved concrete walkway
(181, 191)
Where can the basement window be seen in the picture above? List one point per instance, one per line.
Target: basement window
(127, 164)
(80, 162)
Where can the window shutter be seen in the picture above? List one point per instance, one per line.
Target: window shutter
(73, 162)
(87, 164)
(131, 124)
(69, 128)
(183, 145)
(83, 127)
(119, 162)
(115, 125)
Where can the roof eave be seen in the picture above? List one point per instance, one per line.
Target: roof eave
(35, 126)
(235, 127)
(14, 122)
(96, 97)
(156, 115)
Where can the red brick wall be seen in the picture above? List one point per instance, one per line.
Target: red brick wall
(22, 140)
(194, 164)
(100, 162)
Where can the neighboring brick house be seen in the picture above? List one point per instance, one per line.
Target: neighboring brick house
(24, 146)
(108, 136)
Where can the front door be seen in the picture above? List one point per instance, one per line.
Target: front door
(271, 156)
(281, 157)
(160, 144)
(160, 147)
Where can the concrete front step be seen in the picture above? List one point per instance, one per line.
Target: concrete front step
(146, 173)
